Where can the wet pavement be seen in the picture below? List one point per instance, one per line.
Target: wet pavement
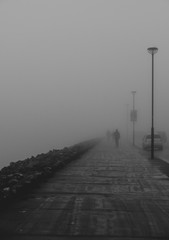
(108, 193)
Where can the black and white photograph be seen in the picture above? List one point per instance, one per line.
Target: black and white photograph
(84, 119)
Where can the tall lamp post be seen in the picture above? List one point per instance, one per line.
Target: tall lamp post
(133, 116)
(152, 51)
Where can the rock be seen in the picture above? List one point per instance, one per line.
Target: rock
(23, 175)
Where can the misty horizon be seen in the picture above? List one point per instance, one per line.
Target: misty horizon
(67, 70)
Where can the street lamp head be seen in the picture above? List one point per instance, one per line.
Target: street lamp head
(152, 50)
(133, 92)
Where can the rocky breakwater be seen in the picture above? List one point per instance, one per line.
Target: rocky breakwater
(20, 177)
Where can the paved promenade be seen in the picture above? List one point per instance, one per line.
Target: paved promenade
(108, 193)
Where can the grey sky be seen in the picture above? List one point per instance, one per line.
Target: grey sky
(67, 69)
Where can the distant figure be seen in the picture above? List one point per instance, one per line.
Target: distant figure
(117, 137)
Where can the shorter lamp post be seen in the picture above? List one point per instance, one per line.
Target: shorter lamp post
(152, 51)
(133, 116)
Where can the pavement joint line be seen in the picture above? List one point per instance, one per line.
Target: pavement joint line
(115, 194)
(110, 211)
(87, 236)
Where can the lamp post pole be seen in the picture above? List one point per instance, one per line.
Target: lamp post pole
(127, 105)
(152, 51)
(133, 93)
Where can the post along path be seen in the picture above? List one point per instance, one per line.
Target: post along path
(108, 193)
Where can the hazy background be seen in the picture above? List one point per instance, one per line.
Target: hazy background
(67, 69)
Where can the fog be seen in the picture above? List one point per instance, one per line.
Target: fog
(67, 69)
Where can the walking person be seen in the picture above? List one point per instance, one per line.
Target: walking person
(117, 137)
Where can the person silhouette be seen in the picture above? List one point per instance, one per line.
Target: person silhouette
(117, 137)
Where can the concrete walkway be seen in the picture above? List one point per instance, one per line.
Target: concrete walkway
(109, 193)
